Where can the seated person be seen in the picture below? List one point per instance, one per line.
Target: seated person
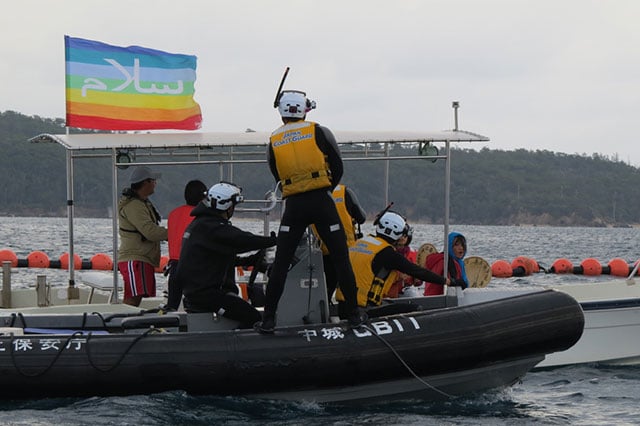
(456, 270)
(403, 280)
(376, 263)
(210, 245)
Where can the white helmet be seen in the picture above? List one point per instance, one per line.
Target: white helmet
(223, 195)
(391, 225)
(294, 104)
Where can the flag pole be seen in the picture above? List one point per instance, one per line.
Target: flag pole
(72, 290)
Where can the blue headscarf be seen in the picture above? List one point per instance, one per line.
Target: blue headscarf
(452, 237)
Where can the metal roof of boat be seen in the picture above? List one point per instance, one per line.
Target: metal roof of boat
(217, 139)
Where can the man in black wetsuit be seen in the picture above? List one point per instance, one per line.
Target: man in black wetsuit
(210, 245)
(304, 158)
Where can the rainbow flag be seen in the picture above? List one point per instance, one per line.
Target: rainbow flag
(129, 88)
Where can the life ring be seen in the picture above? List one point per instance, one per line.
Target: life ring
(478, 271)
(425, 250)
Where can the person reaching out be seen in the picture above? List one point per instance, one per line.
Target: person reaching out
(403, 280)
(376, 264)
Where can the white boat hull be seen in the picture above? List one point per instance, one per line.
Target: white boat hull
(611, 333)
(610, 336)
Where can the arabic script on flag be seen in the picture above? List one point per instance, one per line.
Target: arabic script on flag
(129, 88)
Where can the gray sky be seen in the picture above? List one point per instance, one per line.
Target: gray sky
(558, 75)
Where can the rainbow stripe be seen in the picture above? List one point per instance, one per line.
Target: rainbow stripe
(129, 88)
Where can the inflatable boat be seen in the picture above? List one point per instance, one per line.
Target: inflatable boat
(435, 352)
(432, 354)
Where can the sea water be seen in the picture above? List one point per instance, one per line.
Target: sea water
(576, 395)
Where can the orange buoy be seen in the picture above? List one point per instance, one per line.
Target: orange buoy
(501, 269)
(562, 266)
(38, 259)
(591, 266)
(9, 256)
(619, 267)
(535, 266)
(101, 261)
(523, 262)
(164, 260)
(64, 261)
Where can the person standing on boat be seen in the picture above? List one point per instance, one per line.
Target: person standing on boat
(351, 214)
(305, 160)
(456, 270)
(376, 264)
(209, 255)
(178, 220)
(140, 236)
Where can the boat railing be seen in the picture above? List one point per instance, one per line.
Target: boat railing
(6, 283)
(634, 271)
(228, 149)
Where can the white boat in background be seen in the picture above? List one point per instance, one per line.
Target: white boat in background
(612, 324)
(611, 309)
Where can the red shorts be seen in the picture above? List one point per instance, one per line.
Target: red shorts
(139, 278)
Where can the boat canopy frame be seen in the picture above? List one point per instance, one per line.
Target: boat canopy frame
(229, 148)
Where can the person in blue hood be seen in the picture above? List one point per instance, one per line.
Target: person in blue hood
(456, 270)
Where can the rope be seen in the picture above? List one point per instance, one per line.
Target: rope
(99, 315)
(89, 356)
(397, 355)
(117, 363)
(53, 361)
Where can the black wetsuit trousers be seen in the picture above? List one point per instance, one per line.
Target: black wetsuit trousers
(175, 287)
(301, 210)
(228, 305)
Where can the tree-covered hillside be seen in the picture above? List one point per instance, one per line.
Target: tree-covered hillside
(489, 187)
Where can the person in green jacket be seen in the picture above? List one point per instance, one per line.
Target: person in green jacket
(140, 236)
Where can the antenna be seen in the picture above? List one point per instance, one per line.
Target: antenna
(455, 105)
(379, 215)
(277, 99)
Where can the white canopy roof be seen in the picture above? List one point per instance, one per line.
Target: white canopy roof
(218, 139)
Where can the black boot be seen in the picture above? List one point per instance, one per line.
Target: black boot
(357, 317)
(267, 325)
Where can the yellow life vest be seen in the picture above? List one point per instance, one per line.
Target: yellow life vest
(301, 165)
(339, 197)
(371, 288)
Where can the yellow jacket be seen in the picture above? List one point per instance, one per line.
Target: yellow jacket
(339, 198)
(301, 165)
(371, 288)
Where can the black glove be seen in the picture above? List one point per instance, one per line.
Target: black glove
(459, 282)
(169, 267)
